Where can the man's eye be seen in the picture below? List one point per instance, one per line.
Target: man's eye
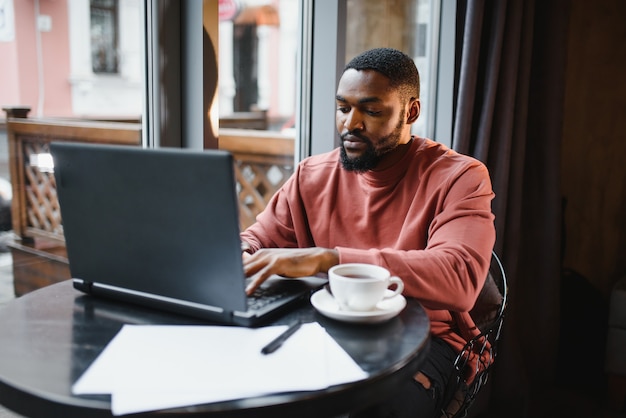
(343, 109)
(373, 112)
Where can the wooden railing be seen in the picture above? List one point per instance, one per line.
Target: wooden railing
(263, 161)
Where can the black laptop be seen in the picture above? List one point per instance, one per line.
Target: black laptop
(160, 227)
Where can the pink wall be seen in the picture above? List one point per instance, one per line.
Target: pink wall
(56, 58)
(26, 53)
(9, 89)
(19, 76)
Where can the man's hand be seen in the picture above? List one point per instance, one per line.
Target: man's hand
(287, 262)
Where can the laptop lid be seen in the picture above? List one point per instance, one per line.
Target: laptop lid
(155, 226)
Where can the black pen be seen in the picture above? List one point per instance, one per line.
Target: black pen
(278, 341)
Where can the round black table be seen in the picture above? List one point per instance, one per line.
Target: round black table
(49, 337)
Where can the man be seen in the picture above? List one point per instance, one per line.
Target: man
(386, 197)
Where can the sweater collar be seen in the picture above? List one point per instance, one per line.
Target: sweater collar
(394, 173)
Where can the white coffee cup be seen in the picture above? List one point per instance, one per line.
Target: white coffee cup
(360, 287)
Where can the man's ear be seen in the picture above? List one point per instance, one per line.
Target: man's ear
(414, 110)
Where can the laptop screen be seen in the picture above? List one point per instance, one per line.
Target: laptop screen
(158, 221)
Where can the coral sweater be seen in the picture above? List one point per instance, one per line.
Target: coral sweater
(427, 219)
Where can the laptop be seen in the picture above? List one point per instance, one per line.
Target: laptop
(159, 227)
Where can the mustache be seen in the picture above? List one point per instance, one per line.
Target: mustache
(356, 134)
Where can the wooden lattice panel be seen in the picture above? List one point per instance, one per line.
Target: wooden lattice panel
(41, 204)
(256, 184)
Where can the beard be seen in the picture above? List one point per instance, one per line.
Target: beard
(367, 161)
(372, 154)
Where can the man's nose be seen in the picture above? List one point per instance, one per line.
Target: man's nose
(353, 121)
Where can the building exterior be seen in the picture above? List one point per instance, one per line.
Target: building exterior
(47, 49)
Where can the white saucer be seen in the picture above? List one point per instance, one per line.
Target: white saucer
(386, 309)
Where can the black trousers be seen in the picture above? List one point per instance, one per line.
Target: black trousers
(414, 400)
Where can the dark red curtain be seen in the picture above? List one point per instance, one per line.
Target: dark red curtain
(511, 57)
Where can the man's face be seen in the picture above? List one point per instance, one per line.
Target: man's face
(371, 119)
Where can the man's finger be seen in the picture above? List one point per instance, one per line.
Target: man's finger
(256, 281)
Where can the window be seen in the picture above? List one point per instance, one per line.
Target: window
(278, 61)
(104, 36)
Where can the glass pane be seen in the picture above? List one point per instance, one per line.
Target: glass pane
(59, 80)
(257, 53)
(257, 95)
(402, 24)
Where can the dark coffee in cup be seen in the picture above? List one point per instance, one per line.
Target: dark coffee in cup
(358, 276)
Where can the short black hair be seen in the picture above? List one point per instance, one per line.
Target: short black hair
(397, 66)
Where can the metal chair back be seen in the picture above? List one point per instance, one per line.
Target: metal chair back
(488, 315)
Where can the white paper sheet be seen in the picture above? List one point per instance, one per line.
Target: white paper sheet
(149, 367)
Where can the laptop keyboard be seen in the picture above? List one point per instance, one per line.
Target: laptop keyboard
(266, 295)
